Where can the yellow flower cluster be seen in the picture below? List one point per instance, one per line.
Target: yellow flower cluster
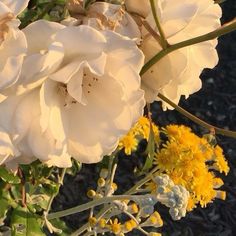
(188, 160)
(136, 221)
(113, 226)
(141, 130)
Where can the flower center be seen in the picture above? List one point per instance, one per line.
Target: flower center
(89, 82)
(89, 85)
(67, 99)
(4, 28)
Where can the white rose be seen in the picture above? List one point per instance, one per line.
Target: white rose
(12, 51)
(12, 43)
(80, 105)
(178, 73)
(140, 7)
(107, 16)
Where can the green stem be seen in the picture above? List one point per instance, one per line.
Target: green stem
(85, 226)
(152, 32)
(136, 221)
(110, 173)
(94, 203)
(195, 119)
(224, 29)
(164, 42)
(132, 190)
(142, 182)
(60, 182)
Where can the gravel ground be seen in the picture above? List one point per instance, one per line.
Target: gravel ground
(216, 104)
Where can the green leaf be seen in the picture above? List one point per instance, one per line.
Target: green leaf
(50, 187)
(76, 167)
(61, 225)
(24, 223)
(4, 206)
(61, 2)
(150, 150)
(8, 177)
(40, 200)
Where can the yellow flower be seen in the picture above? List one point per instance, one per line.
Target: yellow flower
(92, 221)
(191, 203)
(141, 130)
(134, 208)
(156, 220)
(188, 160)
(102, 223)
(129, 143)
(115, 226)
(129, 225)
(91, 193)
(153, 220)
(220, 162)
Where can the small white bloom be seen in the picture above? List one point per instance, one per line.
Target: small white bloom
(12, 43)
(178, 73)
(78, 94)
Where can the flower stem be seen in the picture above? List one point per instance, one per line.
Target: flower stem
(141, 182)
(100, 214)
(132, 190)
(195, 119)
(164, 42)
(224, 29)
(93, 203)
(151, 31)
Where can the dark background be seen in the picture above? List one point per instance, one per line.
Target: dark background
(216, 104)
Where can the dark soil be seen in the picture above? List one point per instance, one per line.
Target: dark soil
(216, 104)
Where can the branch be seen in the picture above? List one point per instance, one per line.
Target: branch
(224, 29)
(164, 42)
(195, 119)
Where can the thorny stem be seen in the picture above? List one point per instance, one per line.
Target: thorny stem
(164, 42)
(195, 119)
(224, 29)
